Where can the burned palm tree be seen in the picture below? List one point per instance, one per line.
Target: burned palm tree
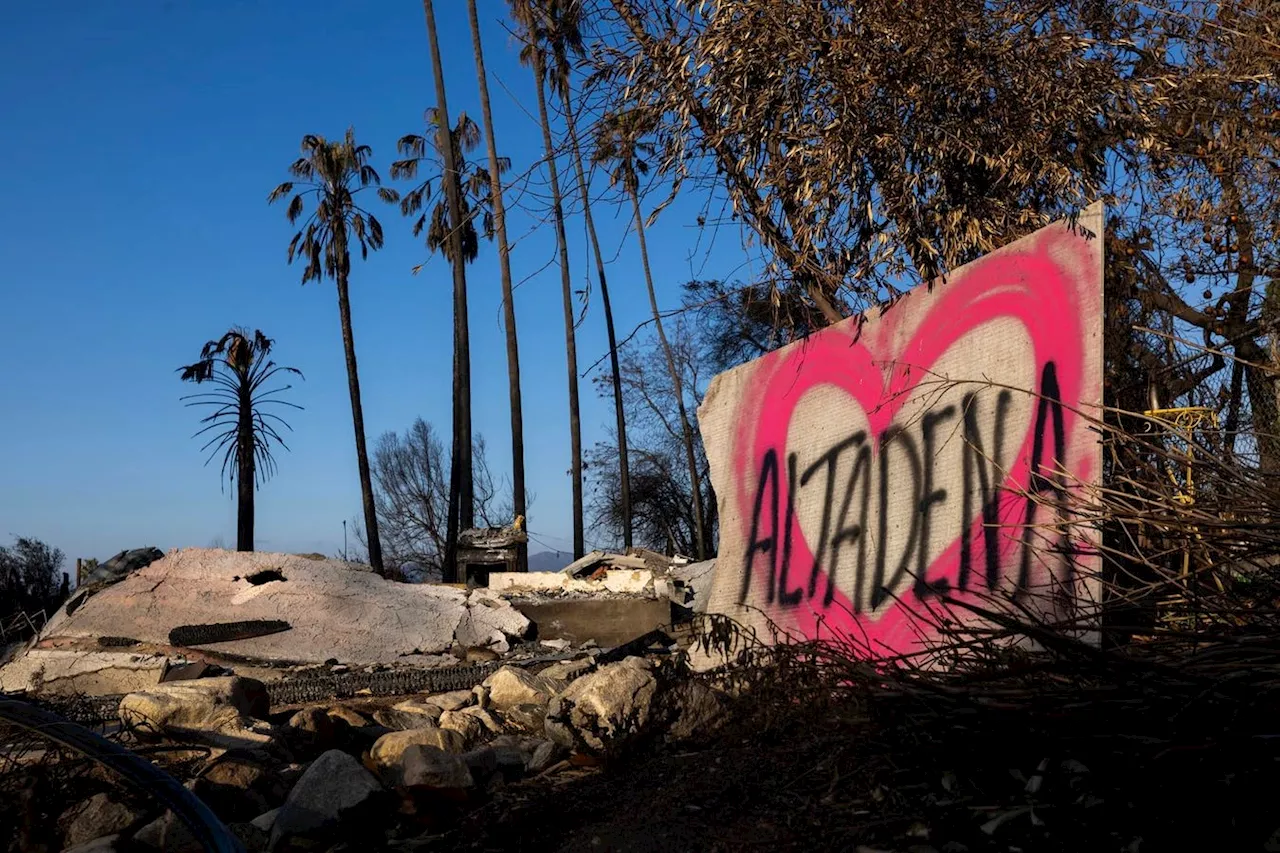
(333, 173)
(241, 373)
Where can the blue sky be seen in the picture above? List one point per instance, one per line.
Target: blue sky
(143, 138)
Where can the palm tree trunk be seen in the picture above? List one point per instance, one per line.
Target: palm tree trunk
(508, 299)
(462, 338)
(357, 412)
(566, 286)
(620, 418)
(695, 485)
(245, 476)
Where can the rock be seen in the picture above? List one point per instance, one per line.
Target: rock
(105, 844)
(481, 694)
(254, 839)
(452, 701)
(527, 718)
(559, 645)
(422, 707)
(266, 820)
(603, 711)
(238, 787)
(390, 747)
(547, 754)
(400, 721)
(315, 721)
(96, 817)
(218, 711)
(698, 710)
(349, 716)
(482, 762)
(566, 671)
(511, 686)
(427, 767)
(492, 722)
(334, 789)
(168, 834)
(465, 724)
(312, 731)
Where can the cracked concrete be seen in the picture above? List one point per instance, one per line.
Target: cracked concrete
(335, 611)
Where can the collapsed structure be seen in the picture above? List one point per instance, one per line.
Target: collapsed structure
(270, 615)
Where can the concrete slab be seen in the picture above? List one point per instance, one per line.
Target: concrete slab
(608, 621)
(334, 611)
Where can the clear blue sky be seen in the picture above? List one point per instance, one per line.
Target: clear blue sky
(143, 138)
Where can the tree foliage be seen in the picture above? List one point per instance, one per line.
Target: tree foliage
(332, 174)
(474, 179)
(661, 486)
(239, 368)
(411, 492)
(30, 577)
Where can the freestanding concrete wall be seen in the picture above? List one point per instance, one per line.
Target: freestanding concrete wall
(920, 452)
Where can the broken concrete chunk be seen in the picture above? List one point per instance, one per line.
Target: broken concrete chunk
(605, 710)
(95, 817)
(387, 750)
(335, 788)
(511, 686)
(584, 565)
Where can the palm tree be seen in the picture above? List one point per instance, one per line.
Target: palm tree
(239, 368)
(620, 143)
(529, 18)
(429, 202)
(461, 491)
(334, 173)
(508, 300)
(562, 39)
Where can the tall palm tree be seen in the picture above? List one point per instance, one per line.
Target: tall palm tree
(462, 507)
(562, 39)
(429, 202)
(529, 18)
(504, 261)
(334, 173)
(621, 146)
(239, 367)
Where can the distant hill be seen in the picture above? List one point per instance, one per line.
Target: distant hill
(549, 561)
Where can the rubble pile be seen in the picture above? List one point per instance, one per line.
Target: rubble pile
(373, 772)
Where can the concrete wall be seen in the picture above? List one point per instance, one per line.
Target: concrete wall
(891, 460)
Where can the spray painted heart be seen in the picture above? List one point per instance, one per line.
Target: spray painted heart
(883, 368)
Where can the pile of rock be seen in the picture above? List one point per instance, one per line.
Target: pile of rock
(366, 770)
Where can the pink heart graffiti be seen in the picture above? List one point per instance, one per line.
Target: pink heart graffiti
(1032, 286)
